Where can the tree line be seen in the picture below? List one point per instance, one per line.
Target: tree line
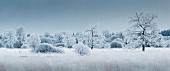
(143, 32)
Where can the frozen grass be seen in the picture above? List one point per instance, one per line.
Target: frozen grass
(153, 59)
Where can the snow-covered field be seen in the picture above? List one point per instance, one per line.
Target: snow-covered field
(153, 59)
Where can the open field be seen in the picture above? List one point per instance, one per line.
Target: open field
(153, 59)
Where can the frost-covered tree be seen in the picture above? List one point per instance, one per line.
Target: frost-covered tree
(156, 39)
(120, 35)
(58, 38)
(20, 35)
(69, 40)
(46, 38)
(1, 41)
(47, 34)
(34, 41)
(79, 36)
(100, 42)
(167, 43)
(133, 43)
(9, 39)
(143, 24)
(107, 34)
(131, 40)
(92, 31)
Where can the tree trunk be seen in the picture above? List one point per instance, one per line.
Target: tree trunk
(92, 40)
(91, 47)
(143, 47)
(143, 40)
(92, 44)
(77, 41)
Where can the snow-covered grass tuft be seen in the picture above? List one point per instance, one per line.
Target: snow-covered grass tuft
(81, 49)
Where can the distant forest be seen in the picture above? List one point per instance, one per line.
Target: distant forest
(165, 32)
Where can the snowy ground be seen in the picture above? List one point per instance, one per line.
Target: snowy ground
(153, 59)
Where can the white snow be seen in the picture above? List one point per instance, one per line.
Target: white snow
(153, 59)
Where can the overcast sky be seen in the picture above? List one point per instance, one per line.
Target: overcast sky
(38, 16)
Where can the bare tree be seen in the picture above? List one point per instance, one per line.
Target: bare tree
(92, 30)
(143, 24)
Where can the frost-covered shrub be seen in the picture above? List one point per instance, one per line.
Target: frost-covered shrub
(1, 45)
(17, 44)
(116, 44)
(25, 46)
(59, 50)
(133, 44)
(46, 40)
(81, 49)
(158, 45)
(167, 43)
(69, 46)
(119, 40)
(106, 46)
(102, 45)
(48, 48)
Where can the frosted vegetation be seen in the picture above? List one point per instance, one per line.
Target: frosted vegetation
(47, 48)
(143, 33)
(153, 59)
(81, 49)
(88, 50)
